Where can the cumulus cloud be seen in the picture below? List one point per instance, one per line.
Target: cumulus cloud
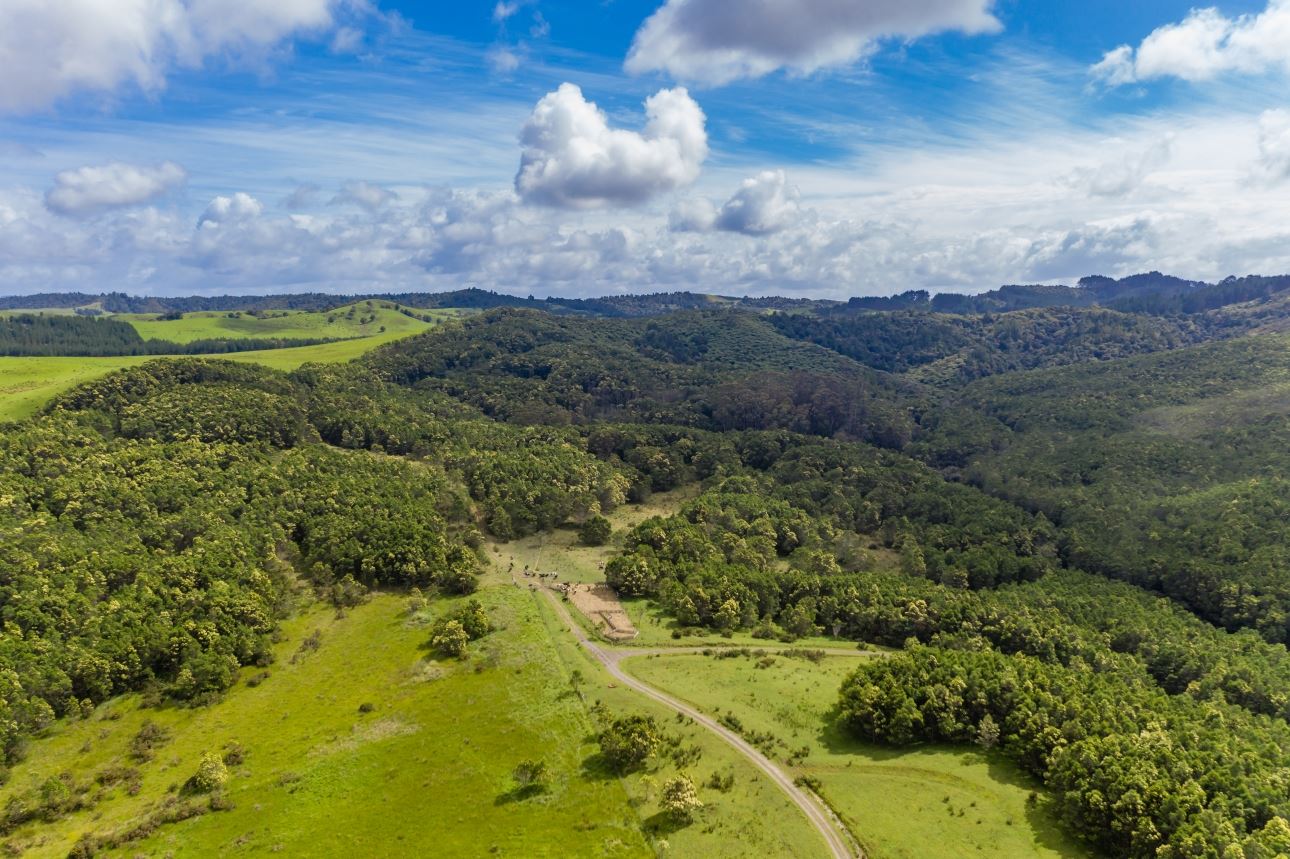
(718, 41)
(1274, 144)
(49, 50)
(87, 190)
(1203, 45)
(1124, 173)
(373, 198)
(966, 217)
(762, 205)
(692, 215)
(232, 209)
(573, 159)
(303, 196)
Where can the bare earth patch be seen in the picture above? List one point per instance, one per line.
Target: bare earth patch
(599, 602)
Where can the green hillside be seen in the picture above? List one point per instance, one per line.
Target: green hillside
(363, 319)
(26, 384)
(1042, 613)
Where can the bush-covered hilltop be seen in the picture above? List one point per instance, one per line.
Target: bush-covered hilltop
(1069, 524)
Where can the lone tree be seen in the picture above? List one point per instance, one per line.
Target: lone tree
(679, 799)
(595, 531)
(211, 774)
(628, 741)
(473, 619)
(451, 639)
(530, 776)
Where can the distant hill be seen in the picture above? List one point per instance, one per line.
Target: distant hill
(1151, 292)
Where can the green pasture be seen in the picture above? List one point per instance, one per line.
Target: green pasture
(919, 803)
(26, 384)
(363, 319)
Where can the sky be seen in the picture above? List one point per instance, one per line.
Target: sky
(823, 148)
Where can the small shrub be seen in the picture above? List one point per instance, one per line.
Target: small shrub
(145, 743)
(211, 774)
(234, 754)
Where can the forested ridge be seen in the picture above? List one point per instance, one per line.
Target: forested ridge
(1070, 522)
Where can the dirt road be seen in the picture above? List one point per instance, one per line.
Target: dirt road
(831, 830)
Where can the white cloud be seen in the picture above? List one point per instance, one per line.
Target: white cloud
(1274, 144)
(1203, 45)
(504, 10)
(346, 40)
(87, 190)
(762, 205)
(692, 215)
(373, 198)
(502, 59)
(49, 50)
(966, 215)
(1124, 173)
(303, 196)
(573, 159)
(717, 41)
(227, 210)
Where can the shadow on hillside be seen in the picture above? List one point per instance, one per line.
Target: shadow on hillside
(661, 824)
(521, 793)
(1041, 814)
(596, 767)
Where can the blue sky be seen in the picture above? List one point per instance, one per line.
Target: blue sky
(788, 147)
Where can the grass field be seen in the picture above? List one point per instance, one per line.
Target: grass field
(924, 803)
(26, 384)
(40, 311)
(370, 746)
(364, 319)
(751, 819)
(426, 772)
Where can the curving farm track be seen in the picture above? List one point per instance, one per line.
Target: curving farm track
(839, 841)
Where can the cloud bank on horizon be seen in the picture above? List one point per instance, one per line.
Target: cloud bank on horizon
(823, 147)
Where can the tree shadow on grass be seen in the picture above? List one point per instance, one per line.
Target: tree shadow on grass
(521, 793)
(596, 767)
(662, 824)
(836, 739)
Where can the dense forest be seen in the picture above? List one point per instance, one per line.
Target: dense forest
(1069, 522)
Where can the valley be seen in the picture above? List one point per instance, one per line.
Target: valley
(677, 584)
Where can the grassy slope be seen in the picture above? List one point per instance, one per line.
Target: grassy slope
(754, 819)
(426, 771)
(26, 384)
(297, 324)
(925, 803)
